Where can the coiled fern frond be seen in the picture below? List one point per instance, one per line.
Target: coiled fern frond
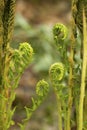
(56, 72)
(42, 89)
(19, 61)
(60, 31)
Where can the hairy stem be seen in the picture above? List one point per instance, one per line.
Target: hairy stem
(70, 83)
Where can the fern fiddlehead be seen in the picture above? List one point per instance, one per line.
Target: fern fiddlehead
(42, 89)
(56, 73)
(19, 61)
(60, 33)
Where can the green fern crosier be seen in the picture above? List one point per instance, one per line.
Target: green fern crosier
(62, 78)
(13, 62)
(75, 70)
(42, 89)
(60, 33)
(18, 61)
(57, 73)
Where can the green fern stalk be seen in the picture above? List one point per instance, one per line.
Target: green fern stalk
(12, 63)
(71, 73)
(5, 20)
(56, 73)
(78, 6)
(84, 67)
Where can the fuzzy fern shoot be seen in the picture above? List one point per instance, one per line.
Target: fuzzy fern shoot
(42, 89)
(59, 31)
(56, 72)
(19, 61)
(60, 34)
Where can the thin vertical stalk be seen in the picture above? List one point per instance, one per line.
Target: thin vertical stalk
(77, 108)
(70, 96)
(70, 83)
(65, 115)
(84, 67)
(59, 112)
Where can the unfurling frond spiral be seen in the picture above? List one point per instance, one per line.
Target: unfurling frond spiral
(22, 56)
(42, 88)
(60, 31)
(26, 49)
(56, 72)
(20, 60)
(26, 52)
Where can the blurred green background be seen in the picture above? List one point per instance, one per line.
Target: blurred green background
(33, 24)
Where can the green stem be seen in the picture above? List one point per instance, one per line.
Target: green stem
(85, 109)
(65, 115)
(84, 66)
(77, 108)
(3, 106)
(59, 113)
(70, 83)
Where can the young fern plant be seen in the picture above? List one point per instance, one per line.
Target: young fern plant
(60, 33)
(75, 65)
(7, 11)
(56, 73)
(19, 60)
(13, 62)
(12, 65)
(42, 89)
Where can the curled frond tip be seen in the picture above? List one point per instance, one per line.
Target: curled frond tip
(42, 88)
(60, 31)
(25, 48)
(56, 72)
